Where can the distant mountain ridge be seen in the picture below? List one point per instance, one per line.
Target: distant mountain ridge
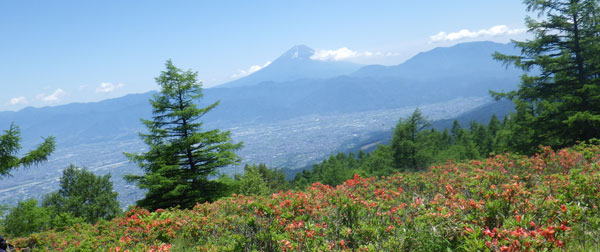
(78, 123)
(295, 64)
(471, 58)
(437, 75)
(283, 123)
(434, 76)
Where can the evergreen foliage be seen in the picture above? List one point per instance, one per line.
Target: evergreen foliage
(409, 143)
(412, 144)
(547, 202)
(255, 180)
(251, 183)
(10, 146)
(84, 194)
(181, 156)
(332, 171)
(558, 102)
(274, 179)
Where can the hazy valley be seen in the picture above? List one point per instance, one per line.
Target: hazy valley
(287, 125)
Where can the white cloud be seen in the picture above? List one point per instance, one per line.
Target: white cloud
(344, 53)
(54, 97)
(339, 54)
(498, 30)
(250, 70)
(107, 87)
(18, 101)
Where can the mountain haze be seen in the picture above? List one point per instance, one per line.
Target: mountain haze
(438, 75)
(289, 114)
(449, 76)
(78, 123)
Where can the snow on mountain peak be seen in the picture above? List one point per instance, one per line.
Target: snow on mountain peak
(299, 52)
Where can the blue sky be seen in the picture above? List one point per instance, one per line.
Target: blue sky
(56, 52)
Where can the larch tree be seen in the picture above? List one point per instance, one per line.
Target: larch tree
(181, 155)
(408, 145)
(558, 101)
(10, 146)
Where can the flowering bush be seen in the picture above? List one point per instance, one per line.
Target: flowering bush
(505, 203)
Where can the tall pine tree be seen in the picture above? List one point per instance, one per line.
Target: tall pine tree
(558, 103)
(181, 156)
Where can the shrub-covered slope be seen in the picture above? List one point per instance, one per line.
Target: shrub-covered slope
(504, 203)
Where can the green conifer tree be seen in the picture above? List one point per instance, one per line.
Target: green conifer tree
(457, 131)
(408, 143)
(181, 156)
(10, 145)
(494, 125)
(558, 102)
(252, 182)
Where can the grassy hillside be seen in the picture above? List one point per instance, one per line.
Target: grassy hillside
(504, 203)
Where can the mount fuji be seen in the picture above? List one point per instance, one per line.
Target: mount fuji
(295, 64)
(294, 112)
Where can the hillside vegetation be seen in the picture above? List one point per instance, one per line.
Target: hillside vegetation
(404, 196)
(504, 203)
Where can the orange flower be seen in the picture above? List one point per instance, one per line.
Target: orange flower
(532, 224)
(468, 230)
(343, 244)
(563, 208)
(390, 228)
